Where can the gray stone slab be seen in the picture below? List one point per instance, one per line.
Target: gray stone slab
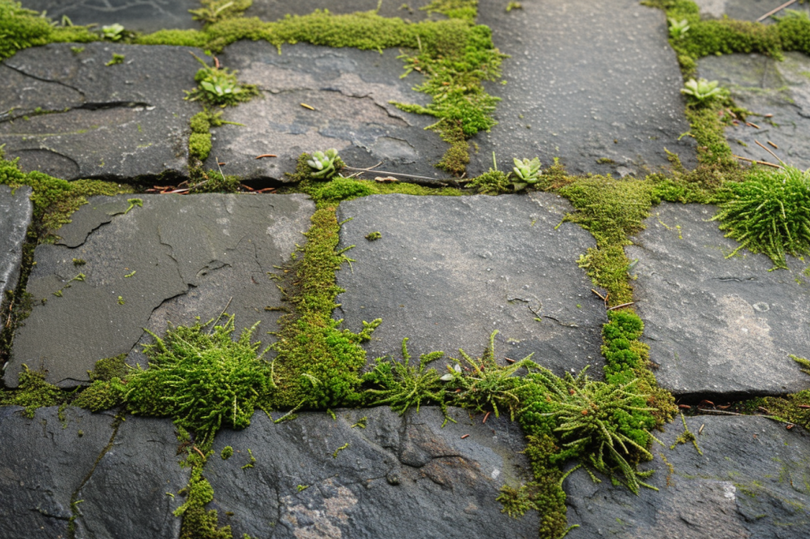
(765, 86)
(15, 218)
(449, 271)
(398, 477)
(587, 81)
(43, 462)
(117, 122)
(753, 481)
(718, 326)
(191, 256)
(745, 10)
(136, 15)
(134, 488)
(273, 10)
(350, 91)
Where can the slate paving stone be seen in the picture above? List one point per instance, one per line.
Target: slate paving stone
(175, 258)
(43, 462)
(15, 218)
(593, 83)
(136, 15)
(765, 86)
(350, 91)
(400, 476)
(273, 10)
(752, 481)
(128, 494)
(71, 116)
(718, 326)
(745, 10)
(449, 271)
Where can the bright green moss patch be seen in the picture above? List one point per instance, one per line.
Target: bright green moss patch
(33, 392)
(455, 9)
(22, 28)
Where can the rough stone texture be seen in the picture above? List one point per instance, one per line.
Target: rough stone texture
(117, 122)
(273, 10)
(350, 91)
(42, 465)
(587, 81)
(137, 15)
(746, 10)
(449, 271)
(398, 477)
(765, 86)
(192, 256)
(753, 481)
(128, 494)
(15, 217)
(715, 325)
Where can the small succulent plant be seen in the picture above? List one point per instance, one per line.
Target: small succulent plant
(324, 165)
(219, 86)
(113, 32)
(702, 90)
(527, 172)
(678, 28)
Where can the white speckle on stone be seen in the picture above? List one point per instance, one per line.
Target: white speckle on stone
(729, 491)
(495, 473)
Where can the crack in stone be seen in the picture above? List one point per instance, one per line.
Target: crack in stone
(60, 83)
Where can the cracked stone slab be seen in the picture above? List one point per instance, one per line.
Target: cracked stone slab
(43, 462)
(448, 271)
(765, 86)
(752, 481)
(134, 489)
(593, 83)
(273, 10)
(718, 326)
(137, 15)
(350, 91)
(173, 259)
(15, 217)
(71, 116)
(744, 10)
(400, 476)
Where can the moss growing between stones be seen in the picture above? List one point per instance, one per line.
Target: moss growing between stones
(455, 9)
(33, 392)
(22, 28)
(197, 522)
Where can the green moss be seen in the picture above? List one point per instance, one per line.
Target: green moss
(33, 392)
(457, 9)
(218, 86)
(227, 452)
(22, 28)
(493, 182)
(108, 368)
(116, 59)
(373, 236)
(516, 501)
(197, 522)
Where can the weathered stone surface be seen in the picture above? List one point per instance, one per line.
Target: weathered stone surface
(753, 481)
(15, 217)
(272, 10)
(746, 10)
(350, 91)
(715, 325)
(119, 122)
(175, 258)
(449, 271)
(128, 494)
(398, 477)
(587, 82)
(43, 462)
(137, 15)
(765, 86)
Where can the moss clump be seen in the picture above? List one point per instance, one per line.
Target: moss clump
(22, 28)
(199, 143)
(455, 9)
(214, 11)
(341, 189)
(227, 452)
(516, 501)
(769, 213)
(318, 364)
(33, 392)
(197, 522)
(493, 182)
(108, 368)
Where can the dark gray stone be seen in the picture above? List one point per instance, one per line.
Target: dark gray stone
(43, 462)
(745, 10)
(449, 271)
(350, 90)
(117, 122)
(765, 86)
(134, 488)
(398, 477)
(753, 481)
(15, 217)
(715, 325)
(273, 10)
(192, 256)
(136, 15)
(587, 81)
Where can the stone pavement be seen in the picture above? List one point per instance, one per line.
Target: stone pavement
(593, 84)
